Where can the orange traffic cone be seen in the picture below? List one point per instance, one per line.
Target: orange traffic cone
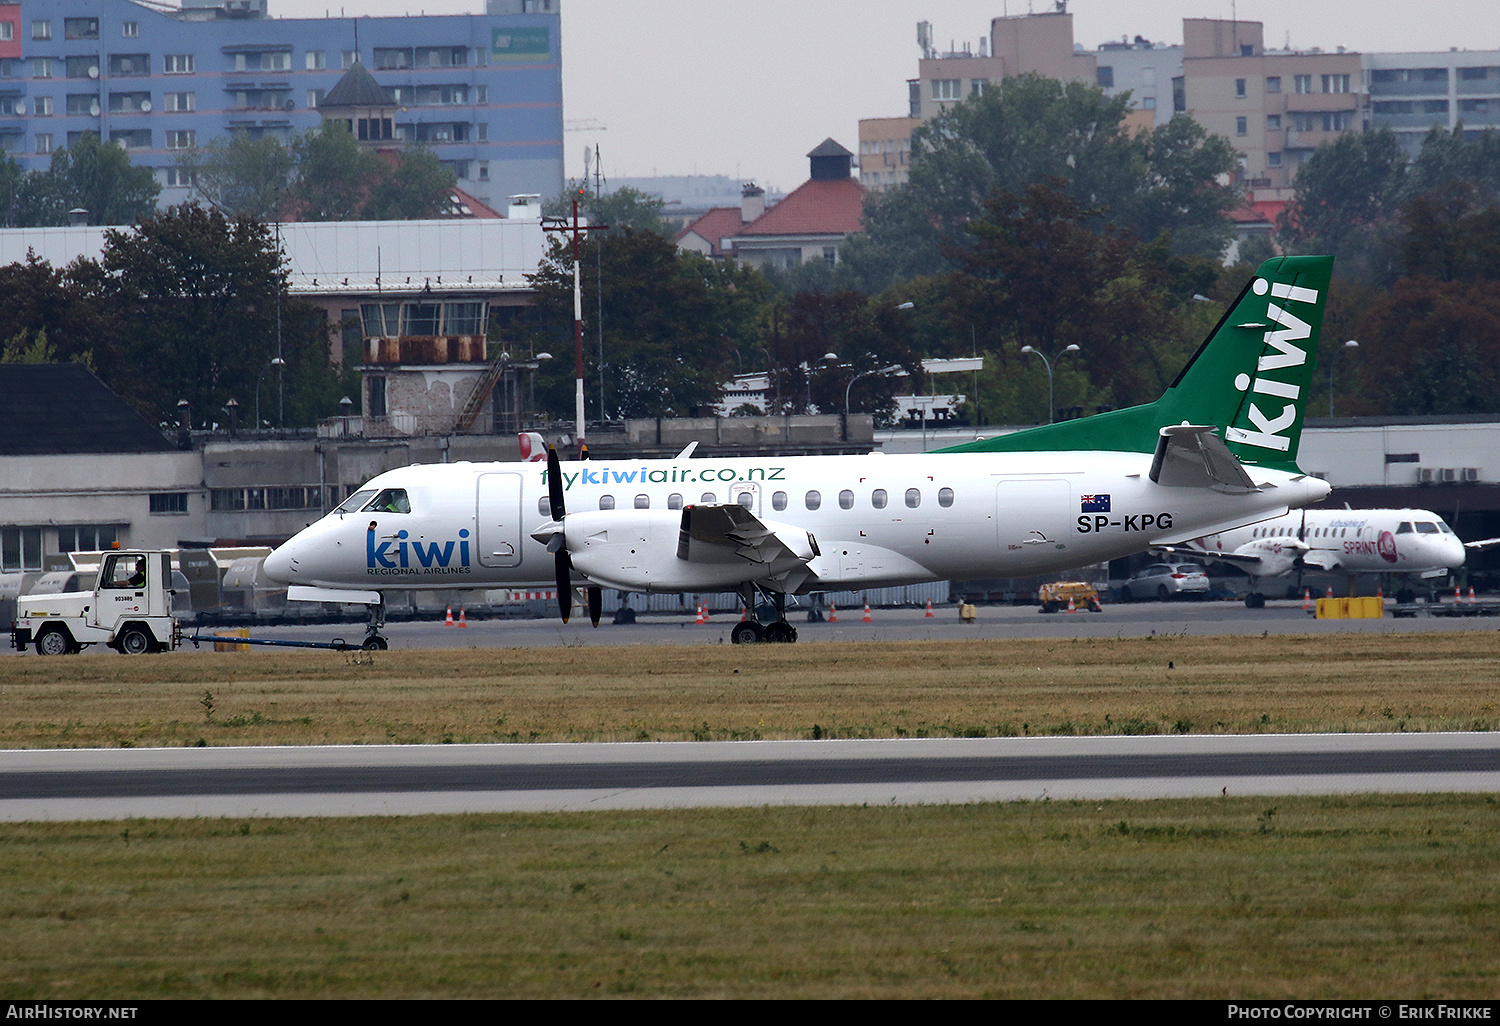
(1471, 593)
(744, 614)
(463, 620)
(448, 620)
(1306, 599)
(868, 619)
(833, 613)
(1380, 593)
(1455, 594)
(701, 618)
(1330, 592)
(1071, 607)
(929, 608)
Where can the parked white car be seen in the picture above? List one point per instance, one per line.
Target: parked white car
(1166, 581)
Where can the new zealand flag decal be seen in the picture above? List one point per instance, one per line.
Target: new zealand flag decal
(1094, 503)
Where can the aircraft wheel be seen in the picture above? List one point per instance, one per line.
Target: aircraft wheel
(746, 632)
(54, 641)
(780, 632)
(375, 643)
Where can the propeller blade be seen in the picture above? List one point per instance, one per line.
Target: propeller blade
(564, 584)
(596, 605)
(555, 483)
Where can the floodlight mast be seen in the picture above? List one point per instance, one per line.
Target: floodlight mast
(576, 229)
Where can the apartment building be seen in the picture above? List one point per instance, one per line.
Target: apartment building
(483, 91)
(1413, 92)
(1040, 43)
(1275, 106)
(885, 151)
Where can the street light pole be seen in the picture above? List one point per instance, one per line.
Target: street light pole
(1051, 409)
(275, 362)
(1351, 344)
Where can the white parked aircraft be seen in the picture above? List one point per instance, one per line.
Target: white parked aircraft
(1216, 451)
(1353, 541)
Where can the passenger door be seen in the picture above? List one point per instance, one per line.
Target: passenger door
(498, 519)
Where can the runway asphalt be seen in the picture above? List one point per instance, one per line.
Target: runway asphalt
(1198, 619)
(423, 779)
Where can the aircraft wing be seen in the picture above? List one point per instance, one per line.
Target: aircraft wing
(1194, 456)
(1482, 544)
(707, 530)
(1210, 555)
(1322, 559)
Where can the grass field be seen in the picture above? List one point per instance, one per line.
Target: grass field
(1308, 897)
(1419, 682)
(1358, 896)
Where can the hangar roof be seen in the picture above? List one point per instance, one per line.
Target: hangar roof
(61, 408)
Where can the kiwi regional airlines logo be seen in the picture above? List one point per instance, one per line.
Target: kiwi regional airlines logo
(1289, 344)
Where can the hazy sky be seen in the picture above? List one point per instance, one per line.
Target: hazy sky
(746, 89)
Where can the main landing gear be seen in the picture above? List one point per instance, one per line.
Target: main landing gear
(748, 632)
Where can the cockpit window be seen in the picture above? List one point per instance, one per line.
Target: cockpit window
(390, 500)
(355, 501)
(1444, 528)
(1425, 528)
(1405, 528)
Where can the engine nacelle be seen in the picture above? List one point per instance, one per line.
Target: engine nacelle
(642, 550)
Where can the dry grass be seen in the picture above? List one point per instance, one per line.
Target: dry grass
(1309, 897)
(1419, 682)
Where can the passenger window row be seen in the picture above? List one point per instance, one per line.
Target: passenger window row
(813, 499)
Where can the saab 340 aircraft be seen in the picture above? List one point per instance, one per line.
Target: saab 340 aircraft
(1412, 542)
(1217, 450)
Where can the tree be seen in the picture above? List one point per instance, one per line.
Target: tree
(197, 296)
(37, 299)
(625, 207)
(1025, 128)
(337, 179)
(1344, 197)
(865, 336)
(673, 325)
(1037, 274)
(416, 187)
(241, 176)
(1429, 347)
(92, 176)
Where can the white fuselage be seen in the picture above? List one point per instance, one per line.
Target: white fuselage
(877, 519)
(1399, 541)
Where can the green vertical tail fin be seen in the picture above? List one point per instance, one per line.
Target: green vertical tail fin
(1250, 378)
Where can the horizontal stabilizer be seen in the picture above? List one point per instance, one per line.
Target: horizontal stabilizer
(1194, 456)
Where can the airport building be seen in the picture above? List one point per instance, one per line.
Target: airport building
(482, 91)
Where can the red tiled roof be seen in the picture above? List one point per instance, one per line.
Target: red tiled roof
(719, 223)
(477, 208)
(814, 208)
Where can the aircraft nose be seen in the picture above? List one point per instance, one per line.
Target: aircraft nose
(281, 565)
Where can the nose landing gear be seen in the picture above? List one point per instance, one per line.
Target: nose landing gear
(374, 641)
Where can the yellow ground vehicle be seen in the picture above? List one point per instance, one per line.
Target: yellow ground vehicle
(1054, 597)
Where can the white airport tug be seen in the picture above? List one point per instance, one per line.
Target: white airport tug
(130, 610)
